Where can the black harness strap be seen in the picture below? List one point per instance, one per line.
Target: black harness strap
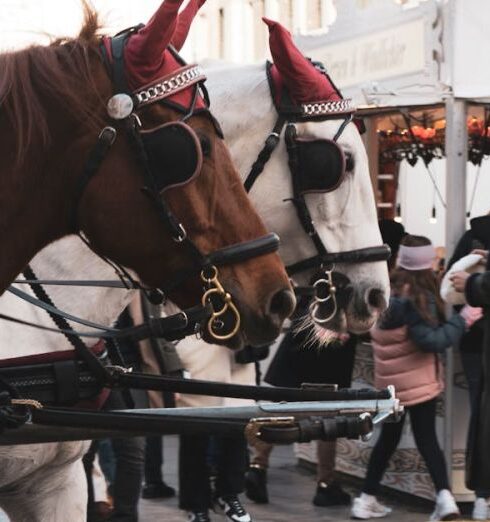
(81, 349)
(66, 382)
(298, 198)
(361, 255)
(118, 43)
(96, 156)
(66, 372)
(239, 391)
(264, 155)
(170, 328)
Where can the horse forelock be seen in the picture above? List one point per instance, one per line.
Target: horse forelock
(59, 72)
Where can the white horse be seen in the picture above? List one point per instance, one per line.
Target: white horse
(45, 482)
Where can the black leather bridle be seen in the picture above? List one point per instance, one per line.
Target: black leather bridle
(205, 264)
(14, 411)
(323, 289)
(215, 301)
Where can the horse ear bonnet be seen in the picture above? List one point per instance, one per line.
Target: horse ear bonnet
(304, 82)
(148, 53)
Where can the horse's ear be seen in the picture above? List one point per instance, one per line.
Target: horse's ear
(303, 81)
(145, 50)
(184, 23)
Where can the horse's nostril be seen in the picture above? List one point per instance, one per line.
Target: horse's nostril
(282, 304)
(376, 299)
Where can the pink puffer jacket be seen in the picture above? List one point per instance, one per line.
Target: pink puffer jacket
(416, 375)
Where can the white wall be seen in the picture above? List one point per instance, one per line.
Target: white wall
(25, 22)
(416, 196)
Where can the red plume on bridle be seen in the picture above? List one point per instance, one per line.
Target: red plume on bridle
(303, 81)
(184, 23)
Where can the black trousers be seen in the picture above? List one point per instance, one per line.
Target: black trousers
(153, 459)
(129, 455)
(422, 417)
(472, 366)
(230, 461)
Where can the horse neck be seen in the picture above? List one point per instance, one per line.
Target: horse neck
(34, 206)
(66, 259)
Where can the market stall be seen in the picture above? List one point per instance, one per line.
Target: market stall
(413, 69)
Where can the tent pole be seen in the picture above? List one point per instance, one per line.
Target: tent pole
(456, 160)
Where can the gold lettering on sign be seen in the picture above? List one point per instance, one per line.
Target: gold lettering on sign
(388, 53)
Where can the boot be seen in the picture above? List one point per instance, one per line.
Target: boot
(256, 485)
(330, 495)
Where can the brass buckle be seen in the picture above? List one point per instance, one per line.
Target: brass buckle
(252, 429)
(216, 288)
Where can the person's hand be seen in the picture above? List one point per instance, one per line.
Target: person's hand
(483, 253)
(458, 280)
(471, 314)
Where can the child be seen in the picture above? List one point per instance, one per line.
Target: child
(406, 342)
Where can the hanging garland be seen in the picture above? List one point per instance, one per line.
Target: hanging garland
(429, 143)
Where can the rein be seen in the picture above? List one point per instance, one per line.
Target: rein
(322, 290)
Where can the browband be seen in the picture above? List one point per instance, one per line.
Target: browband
(169, 85)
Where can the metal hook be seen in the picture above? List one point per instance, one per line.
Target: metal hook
(317, 301)
(215, 322)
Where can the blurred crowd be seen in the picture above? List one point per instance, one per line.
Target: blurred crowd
(408, 342)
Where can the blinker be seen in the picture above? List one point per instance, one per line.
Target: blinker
(174, 154)
(320, 163)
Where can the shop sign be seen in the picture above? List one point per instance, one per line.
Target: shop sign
(385, 54)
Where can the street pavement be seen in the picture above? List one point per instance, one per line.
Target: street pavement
(291, 488)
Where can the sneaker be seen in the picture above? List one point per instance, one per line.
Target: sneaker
(366, 507)
(480, 509)
(446, 507)
(256, 485)
(157, 490)
(233, 508)
(330, 495)
(198, 516)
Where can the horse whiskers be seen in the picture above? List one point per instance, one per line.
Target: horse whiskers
(317, 336)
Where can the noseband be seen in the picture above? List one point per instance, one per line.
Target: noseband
(175, 147)
(308, 160)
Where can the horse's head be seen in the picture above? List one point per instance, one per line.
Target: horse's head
(331, 189)
(315, 190)
(166, 193)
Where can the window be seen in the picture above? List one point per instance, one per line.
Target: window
(259, 29)
(286, 13)
(313, 15)
(221, 33)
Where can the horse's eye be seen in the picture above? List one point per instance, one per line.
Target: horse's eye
(205, 145)
(349, 162)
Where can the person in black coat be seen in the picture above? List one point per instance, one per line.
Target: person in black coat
(477, 291)
(299, 360)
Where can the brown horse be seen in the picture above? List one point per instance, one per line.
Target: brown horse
(53, 106)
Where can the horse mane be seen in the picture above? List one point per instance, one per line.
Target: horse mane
(60, 71)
